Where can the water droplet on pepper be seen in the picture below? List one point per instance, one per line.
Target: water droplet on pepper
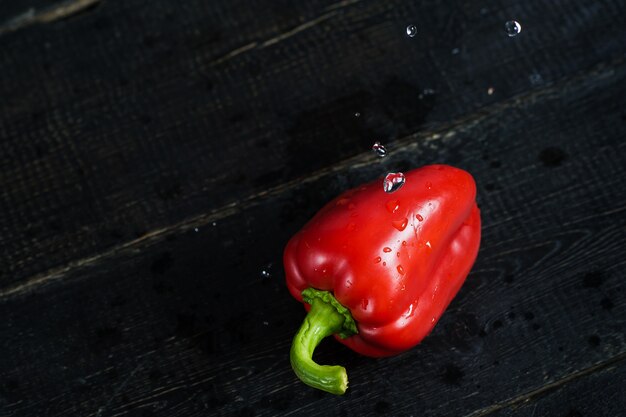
(392, 206)
(393, 182)
(400, 224)
(400, 269)
(386, 249)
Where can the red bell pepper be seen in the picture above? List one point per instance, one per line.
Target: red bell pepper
(377, 270)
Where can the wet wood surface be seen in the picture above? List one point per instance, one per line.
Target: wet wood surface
(155, 158)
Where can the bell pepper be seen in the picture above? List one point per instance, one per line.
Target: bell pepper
(377, 270)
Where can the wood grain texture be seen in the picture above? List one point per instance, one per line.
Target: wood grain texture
(599, 394)
(184, 325)
(136, 116)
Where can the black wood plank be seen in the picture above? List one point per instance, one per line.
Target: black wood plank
(599, 394)
(187, 326)
(134, 116)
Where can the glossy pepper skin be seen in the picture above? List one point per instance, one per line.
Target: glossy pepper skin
(394, 261)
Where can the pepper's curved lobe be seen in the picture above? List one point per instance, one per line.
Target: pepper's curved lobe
(395, 261)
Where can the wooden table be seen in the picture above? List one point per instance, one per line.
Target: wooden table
(155, 157)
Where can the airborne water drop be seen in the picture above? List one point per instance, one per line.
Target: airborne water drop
(512, 28)
(379, 149)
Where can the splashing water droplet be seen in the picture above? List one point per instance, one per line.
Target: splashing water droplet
(419, 217)
(386, 249)
(379, 150)
(400, 224)
(357, 114)
(393, 181)
(400, 269)
(490, 90)
(411, 31)
(195, 229)
(535, 78)
(377, 259)
(392, 206)
(455, 51)
(266, 272)
(512, 28)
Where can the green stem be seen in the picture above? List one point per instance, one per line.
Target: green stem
(326, 317)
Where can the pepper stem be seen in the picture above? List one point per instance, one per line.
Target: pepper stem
(326, 317)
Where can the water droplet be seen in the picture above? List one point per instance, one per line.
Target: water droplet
(429, 185)
(398, 254)
(535, 78)
(357, 114)
(428, 244)
(400, 269)
(386, 249)
(384, 263)
(266, 272)
(195, 229)
(266, 323)
(393, 182)
(379, 149)
(400, 224)
(404, 243)
(409, 312)
(512, 28)
(455, 51)
(411, 31)
(377, 259)
(392, 206)
(419, 217)
(490, 90)
(214, 224)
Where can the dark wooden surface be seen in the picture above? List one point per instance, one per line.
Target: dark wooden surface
(155, 157)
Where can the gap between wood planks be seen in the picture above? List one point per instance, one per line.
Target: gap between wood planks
(408, 143)
(552, 386)
(49, 14)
